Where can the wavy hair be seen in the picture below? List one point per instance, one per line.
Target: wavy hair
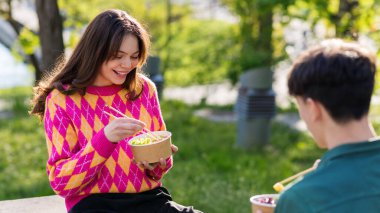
(99, 43)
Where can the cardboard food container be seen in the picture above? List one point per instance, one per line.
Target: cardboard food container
(264, 203)
(152, 152)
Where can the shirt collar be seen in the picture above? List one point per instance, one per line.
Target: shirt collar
(347, 149)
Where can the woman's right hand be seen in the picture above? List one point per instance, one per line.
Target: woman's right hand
(120, 128)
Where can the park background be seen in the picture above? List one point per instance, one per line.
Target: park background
(202, 45)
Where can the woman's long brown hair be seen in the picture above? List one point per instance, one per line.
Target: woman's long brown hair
(99, 43)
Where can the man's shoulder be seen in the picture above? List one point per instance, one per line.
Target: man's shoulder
(325, 178)
(306, 195)
(293, 200)
(330, 186)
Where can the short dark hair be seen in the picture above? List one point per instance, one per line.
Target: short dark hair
(338, 74)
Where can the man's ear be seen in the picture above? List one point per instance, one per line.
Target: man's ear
(314, 108)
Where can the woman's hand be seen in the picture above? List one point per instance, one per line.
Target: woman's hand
(161, 163)
(120, 128)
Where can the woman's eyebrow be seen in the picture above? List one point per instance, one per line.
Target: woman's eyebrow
(127, 53)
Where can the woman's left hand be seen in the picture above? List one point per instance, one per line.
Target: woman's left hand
(161, 163)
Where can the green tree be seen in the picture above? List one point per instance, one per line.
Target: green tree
(342, 18)
(202, 52)
(152, 14)
(348, 19)
(256, 32)
(193, 51)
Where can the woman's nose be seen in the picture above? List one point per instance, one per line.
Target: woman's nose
(126, 62)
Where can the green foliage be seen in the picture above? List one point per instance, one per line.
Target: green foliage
(361, 20)
(26, 44)
(15, 92)
(22, 162)
(192, 51)
(377, 86)
(152, 14)
(28, 41)
(258, 48)
(342, 22)
(17, 99)
(23, 151)
(201, 52)
(77, 15)
(343, 18)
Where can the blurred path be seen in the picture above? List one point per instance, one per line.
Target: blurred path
(225, 93)
(213, 94)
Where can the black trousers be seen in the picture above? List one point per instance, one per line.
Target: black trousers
(154, 201)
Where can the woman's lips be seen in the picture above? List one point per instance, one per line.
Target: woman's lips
(121, 73)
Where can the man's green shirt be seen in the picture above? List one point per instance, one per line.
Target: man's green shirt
(346, 180)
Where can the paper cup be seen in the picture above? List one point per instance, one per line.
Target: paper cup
(152, 152)
(260, 203)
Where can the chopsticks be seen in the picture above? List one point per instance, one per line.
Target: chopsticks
(148, 132)
(279, 186)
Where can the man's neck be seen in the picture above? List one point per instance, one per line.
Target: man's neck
(352, 132)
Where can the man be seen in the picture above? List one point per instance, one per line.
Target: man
(332, 84)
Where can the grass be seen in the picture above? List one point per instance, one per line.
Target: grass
(214, 176)
(22, 159)
(209, 172)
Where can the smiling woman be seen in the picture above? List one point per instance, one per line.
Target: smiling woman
(90, 161)
(117, 68)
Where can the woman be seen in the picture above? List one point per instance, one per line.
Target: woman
(90, 162)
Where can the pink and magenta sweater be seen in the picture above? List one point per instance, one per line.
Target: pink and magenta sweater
(82, 161)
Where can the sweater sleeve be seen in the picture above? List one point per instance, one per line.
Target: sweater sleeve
(71, 166)
(158, 172)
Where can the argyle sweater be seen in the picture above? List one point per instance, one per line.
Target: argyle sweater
(82, 161)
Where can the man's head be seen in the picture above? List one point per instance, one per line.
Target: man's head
(337, 76)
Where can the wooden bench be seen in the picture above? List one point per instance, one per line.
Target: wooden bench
(46, 204)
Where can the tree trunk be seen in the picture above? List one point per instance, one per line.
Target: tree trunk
(247, 58)
(346, 18)
(50, 33)
(264, 40)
